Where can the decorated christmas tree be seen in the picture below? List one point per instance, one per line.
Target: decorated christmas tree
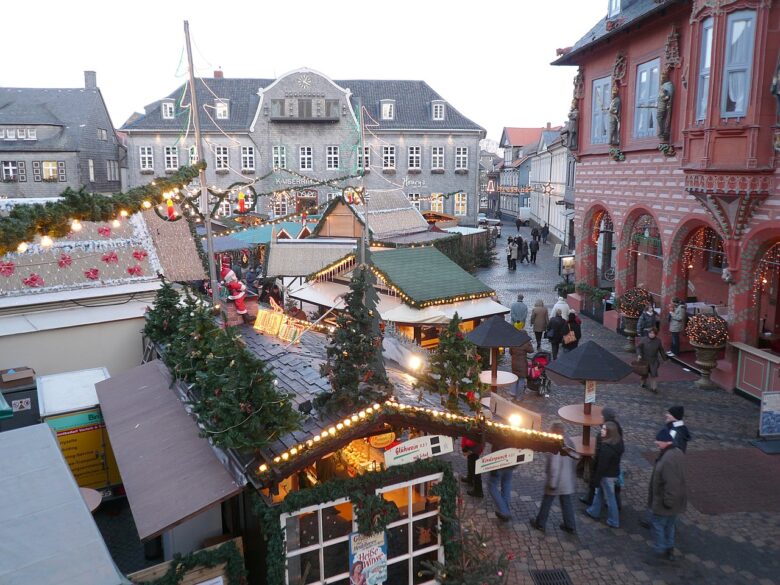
(454, 369)
(186, 355)
(162, 320)
(355, 366)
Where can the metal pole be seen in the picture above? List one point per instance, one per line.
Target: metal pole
(204, 193)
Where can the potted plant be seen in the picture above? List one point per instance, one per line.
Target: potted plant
(631, 304)
(708, 334)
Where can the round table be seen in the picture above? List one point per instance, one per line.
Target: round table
(575, 413)
(93, 498)
(502, 378)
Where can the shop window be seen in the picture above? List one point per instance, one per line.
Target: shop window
(647, 79)
(738, 61)
(705, 63)
(599, 110)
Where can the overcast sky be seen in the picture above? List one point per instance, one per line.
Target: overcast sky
(490, 60)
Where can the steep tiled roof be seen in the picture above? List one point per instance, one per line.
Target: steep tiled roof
(392, 214)
(632, 12)
(520, 136)
(67, 108)
(302, 258)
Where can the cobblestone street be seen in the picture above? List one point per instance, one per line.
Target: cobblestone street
(736, 545)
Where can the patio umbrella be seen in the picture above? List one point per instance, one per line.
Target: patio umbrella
(590, 361)
(495, 333)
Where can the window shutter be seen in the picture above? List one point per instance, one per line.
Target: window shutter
(22, 171)
(61, 171)
(36, 168)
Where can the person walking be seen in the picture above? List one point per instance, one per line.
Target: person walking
(518, 223)
(519, 356)
(677, 318)
(540, 320)
(544, 233)
(555, 332)
(514, 246)
(650, 351)
(561, 481)
(668, 494)
(535, 234)
(500, 488)
(472, 450)
(519, 240)
(518, 313)
(509, 253)
(563, 306)
(573, 333)
(676, 426)
(524, 251)
(533, 248)
(647, 321)
(607, 471)
(609, 415)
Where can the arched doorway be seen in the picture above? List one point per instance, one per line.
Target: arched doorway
(702, 263)
(766, 296)
(645, 261)
(603, 237)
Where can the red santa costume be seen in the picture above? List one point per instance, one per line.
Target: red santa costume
(236, 289)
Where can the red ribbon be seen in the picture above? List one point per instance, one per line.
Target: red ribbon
(33, 281)
(92, 273)
(7, 268)
(65, 260)
(105, 231)
(140, 255)
(110, 257)
(135, 270)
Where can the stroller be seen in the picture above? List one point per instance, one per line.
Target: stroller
(537, 373)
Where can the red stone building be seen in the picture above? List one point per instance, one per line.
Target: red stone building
(674, 122)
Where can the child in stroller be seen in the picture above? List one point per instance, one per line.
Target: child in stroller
(537, 373)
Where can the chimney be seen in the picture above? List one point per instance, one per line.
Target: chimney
(548, 125)
(219, 74)
(90, 80)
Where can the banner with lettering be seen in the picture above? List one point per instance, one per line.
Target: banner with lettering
(367, 558)
(419, 448)
(503, 458)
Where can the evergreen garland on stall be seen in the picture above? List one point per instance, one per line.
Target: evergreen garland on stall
(354, 366)
(373, 513)
(227, 553)
(453, 370)
(162, 321)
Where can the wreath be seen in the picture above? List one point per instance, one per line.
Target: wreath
(373, 512)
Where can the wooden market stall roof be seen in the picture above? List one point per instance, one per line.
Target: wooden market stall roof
(169, 471)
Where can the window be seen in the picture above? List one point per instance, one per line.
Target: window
(10, 171)
(91, 165)
(146, 158)
(102, 134)
(61, 171)
(280, 157)
(331, 196)
(167, 110)
(438, 111)
(193, 154)
(437, 202)
(415, 157)
(305, 158)
(32, 134)
(461, 203)
(647, 79)
(462, 158)
(414, 198)
(112, 170)
(599, 127)
(388, 110)
(364, 160)
(221, 158)
(21, 133)
(281, 203)
(49, 170)
(304, 108)
(22, 166)
(388, 157)
(437, 157)
(613, 9)
(10, 134)
(705, 63)
(171, 158)
(224, 207)
(223, 111)
(248, 158)
(740, 33)
(331, 108)
(332, 158)
(277, 108)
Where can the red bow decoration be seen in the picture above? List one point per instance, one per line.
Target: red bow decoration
(6, 268)
(105, 231)
(110, 257)
(135, 270)
(470, 396)
(33, 281)
(65, 260)
(139, 255)
(92, 273)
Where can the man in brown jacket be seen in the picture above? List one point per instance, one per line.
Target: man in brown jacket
(667, 496)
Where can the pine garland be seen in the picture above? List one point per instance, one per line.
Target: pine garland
(227, 553)
(373, 512)
(162, 321)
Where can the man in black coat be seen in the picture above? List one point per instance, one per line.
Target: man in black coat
(533, 248)
(668, 494)
(674, 422)
(555, 332)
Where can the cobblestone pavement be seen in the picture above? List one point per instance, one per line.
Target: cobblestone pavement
(733, 548)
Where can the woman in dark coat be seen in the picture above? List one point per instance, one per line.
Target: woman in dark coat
(607, 471)
(651, 351)
(555, 332)
(520, 365)
(573, 325)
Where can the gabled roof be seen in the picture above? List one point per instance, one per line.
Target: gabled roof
(67, 108)
(262, 234)
(391, 214)
(520, 136)
(632, 12)
(305, 257)
(424, 276)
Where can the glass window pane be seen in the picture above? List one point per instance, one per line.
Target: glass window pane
(302, 531)
(305, 568)
(398, 573)
(336, 559)
(398, 541)
(736, 90)
(425, 532)
(336, 521)
(418, 567)
(426, 492)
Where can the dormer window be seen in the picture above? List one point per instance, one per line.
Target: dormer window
(167, 110)
(222, 109)
(388, 109)
(438, 111)
(613, 8)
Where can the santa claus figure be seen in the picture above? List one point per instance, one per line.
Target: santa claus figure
(236, 290)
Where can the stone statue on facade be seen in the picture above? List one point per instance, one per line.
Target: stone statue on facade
(776, 86)
(573, 126)
(663, 113)
(614, 116)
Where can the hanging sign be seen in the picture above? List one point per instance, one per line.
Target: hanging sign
(419, 448)
(503, 458)
(381, 441)
(590, 391)
(368, 558)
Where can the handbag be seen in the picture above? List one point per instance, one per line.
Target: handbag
(569, 338)
(641, 368)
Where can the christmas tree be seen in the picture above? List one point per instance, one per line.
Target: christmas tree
(454, 369)
(355, 366)
(186, 355)
(162, 320)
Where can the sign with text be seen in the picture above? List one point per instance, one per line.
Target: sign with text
(590, 391)
(368, 558)
(503, 458)
(419, 448)
(769, 425)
